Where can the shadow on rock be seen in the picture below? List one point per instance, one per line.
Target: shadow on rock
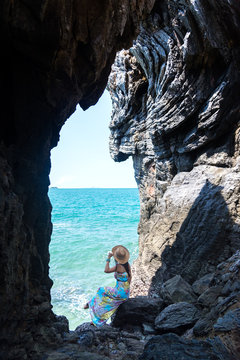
(207, 237)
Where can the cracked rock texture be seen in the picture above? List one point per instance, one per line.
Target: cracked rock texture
(54, 55)
(175, 96)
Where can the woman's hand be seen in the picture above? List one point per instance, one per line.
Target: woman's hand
(110, 254)
(107, 268)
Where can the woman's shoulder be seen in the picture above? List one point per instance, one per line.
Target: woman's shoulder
(120, 269)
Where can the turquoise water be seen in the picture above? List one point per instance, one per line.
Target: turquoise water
(87, 223)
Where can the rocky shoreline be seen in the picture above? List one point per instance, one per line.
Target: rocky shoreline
(201, 321)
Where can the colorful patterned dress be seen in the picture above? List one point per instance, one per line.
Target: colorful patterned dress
(107, 299)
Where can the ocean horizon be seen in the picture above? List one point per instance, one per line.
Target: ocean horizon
(87, 223)
(91, 187)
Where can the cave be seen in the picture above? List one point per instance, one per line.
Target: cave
(95, 205)
(175, 95)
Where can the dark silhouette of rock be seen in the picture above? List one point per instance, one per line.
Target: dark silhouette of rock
(61, 324)
(55, 55)
(137, 311)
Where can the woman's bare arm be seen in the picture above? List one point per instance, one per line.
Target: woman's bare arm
(109, 269)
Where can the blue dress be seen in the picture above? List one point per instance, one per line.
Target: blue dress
(107, 299)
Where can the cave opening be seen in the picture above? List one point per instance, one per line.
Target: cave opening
(95, 207)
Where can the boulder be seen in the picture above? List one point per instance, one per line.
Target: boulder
(209, 297)
(137, 311)
(202, 284)
(230, 321)
(227, 328)
(86, 335)
(177, 289)
(203, 326)
(177, 318)
(61, 324)
(173, 347)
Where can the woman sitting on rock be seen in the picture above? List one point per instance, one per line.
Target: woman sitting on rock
(107, 299)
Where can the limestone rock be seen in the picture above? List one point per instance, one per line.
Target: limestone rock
(175, 112)
(177, 317)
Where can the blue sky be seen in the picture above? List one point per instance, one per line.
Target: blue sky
(82, 159)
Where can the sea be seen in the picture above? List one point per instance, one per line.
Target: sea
(87, 223)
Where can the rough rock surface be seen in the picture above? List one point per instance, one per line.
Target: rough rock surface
(177, 318)
(176, 112)
(88, 342)
(202, 284)
(137, 311)
(177, 289)
(216, 321)
(220, 313)
(172, 347)
(54, 55)
(132, 333)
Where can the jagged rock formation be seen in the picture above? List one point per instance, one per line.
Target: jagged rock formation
(55, 54)
(176, 112)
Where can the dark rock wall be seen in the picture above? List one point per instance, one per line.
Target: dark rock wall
(176, 109)
(54, 55)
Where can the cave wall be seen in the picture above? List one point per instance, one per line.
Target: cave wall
(55, 54)
(175, 96)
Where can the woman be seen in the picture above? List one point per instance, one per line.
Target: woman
(107, 299)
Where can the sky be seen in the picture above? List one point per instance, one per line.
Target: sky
(82, 158)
